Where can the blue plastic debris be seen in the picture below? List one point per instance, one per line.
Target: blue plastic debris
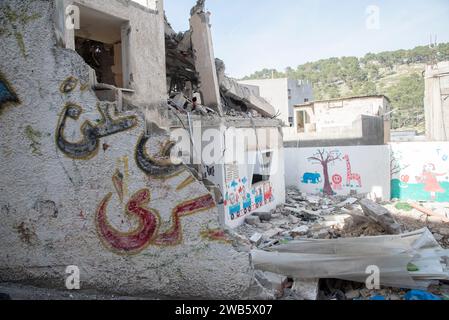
(378, 298)
(420, 295)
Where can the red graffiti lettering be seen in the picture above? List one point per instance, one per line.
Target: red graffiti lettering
(136, 240)
(174, 235)
(146, 233)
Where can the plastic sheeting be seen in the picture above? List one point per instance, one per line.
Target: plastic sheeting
(349, 259)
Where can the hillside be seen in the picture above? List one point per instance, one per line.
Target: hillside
(396, 74)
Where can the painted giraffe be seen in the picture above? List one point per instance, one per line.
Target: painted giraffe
(351, 176)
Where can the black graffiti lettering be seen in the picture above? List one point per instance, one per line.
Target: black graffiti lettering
(159, 165)
(88, 146)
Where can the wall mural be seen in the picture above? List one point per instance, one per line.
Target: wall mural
(350, 176)
(313, 178)
(148, 231)
(7, 94)
(68, 85)
(241, 199)
(420, 171)
(325, 158)
(330, 171)
(88, 146)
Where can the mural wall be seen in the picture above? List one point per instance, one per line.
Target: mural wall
(339, 170)
(83, 184)
(420, 171)
(242, 198)
(258, 185)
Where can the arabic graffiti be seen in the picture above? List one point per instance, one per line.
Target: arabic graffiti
(68, 85)
(174, 235)
(160, 165)
(88, 146)
(131, 242)
(147, 232)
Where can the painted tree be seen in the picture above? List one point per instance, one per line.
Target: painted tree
(397, 164)
(325, 158)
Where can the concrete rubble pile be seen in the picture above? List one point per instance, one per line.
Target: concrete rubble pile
(311, 241)
(238, 97)
(196, 79)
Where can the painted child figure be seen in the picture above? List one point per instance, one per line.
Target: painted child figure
(429, 178)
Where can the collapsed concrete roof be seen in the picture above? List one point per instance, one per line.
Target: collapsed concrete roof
(192, 67)
(231, 89)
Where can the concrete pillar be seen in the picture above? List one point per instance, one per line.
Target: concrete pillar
(205, 60)
(434, 113)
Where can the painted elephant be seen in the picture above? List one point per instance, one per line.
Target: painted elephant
(313, 178)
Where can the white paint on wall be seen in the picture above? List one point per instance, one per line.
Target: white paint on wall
(362, 169)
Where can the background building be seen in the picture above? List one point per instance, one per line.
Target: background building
(283, 94)
(361, 120)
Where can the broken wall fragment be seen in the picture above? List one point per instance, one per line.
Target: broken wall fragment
(203, 52)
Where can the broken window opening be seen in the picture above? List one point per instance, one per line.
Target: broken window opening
(262, 168)
(99, 43)
(100, 57)
(302, 119)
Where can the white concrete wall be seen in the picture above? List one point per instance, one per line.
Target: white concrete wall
(343, 113)
(369, 163)
(420, 171)
(52, 198)
(146, 61)
(339, 118)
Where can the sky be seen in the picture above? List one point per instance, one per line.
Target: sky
(250, 35)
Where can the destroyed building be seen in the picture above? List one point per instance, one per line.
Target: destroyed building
(93, 93)
(283, 94)
(109, 119)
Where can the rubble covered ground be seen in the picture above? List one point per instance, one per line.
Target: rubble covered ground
(333, 217)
